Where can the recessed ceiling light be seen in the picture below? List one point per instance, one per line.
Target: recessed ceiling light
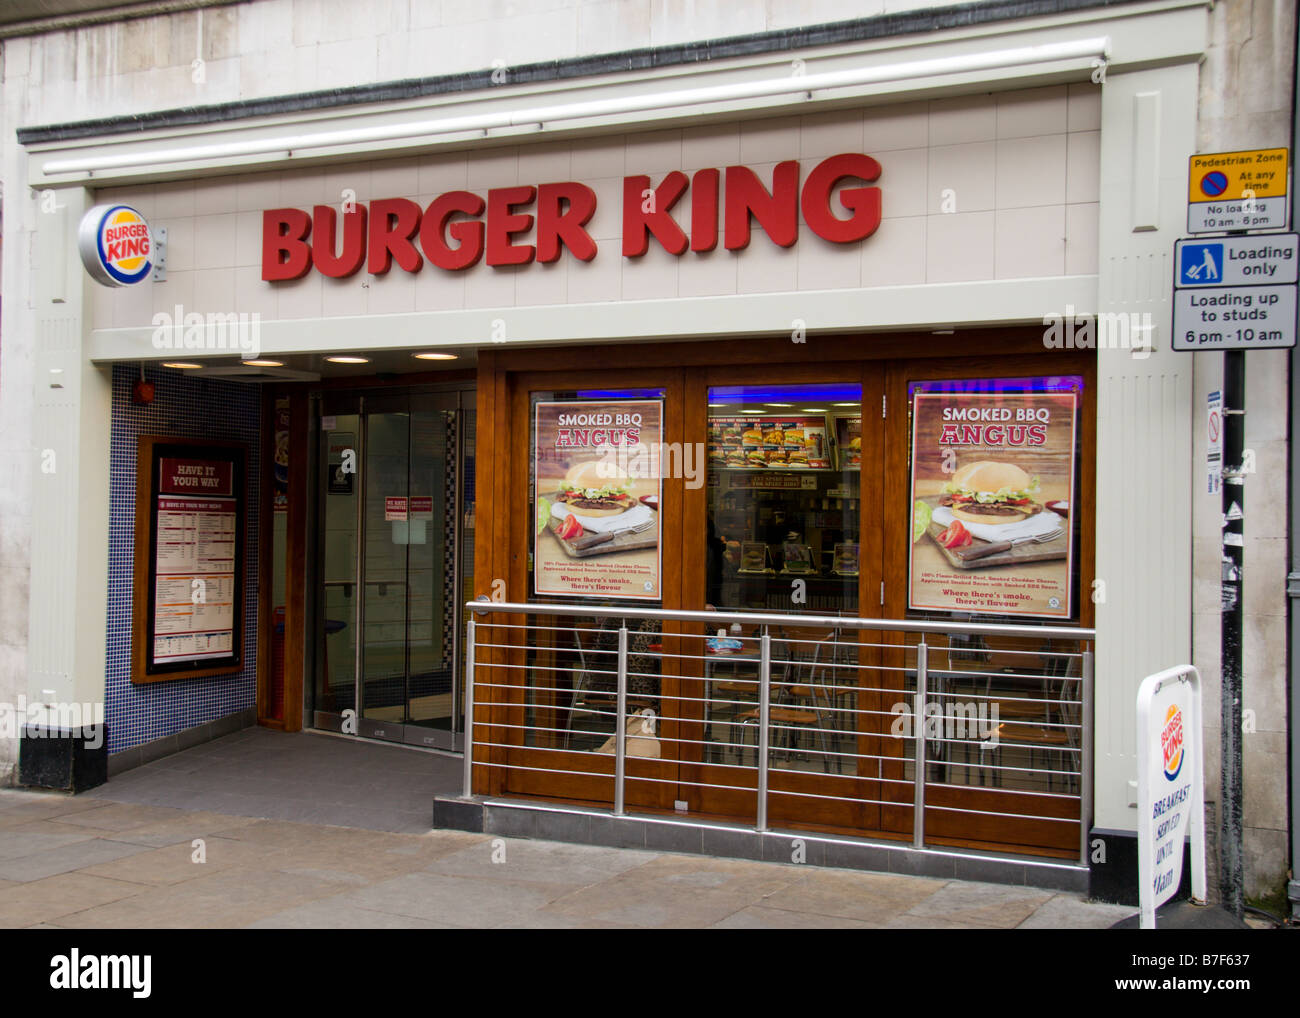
(264, 364)
(717, 404)
(348, 360)
(434, 356)
(751, 411)
(813, 410)
(847, 404)
(778, 404)
(183, 365)
(943, 332)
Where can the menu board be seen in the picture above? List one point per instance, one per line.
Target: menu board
(598, 479)
(280, 481)
(848, 439)
(769, 442)
(189, 559)
(992, 497)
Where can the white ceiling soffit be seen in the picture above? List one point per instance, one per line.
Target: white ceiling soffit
(1020, 54)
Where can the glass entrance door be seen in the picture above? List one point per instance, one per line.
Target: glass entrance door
(393, 501)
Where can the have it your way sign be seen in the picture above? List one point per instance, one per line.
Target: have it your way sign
(1171, 787)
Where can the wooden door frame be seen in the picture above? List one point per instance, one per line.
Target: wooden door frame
(502, 550)
(983, 827)
(504, 438)
(295, 560)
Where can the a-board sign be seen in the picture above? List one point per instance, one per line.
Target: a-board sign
(1171, 786)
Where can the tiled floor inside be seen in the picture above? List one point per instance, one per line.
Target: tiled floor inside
(304, 776)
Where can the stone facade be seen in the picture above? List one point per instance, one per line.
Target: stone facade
(1245, 102)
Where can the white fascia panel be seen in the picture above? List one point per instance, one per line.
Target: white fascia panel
(934, 305)
(1146, 35)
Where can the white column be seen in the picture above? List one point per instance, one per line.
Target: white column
(1144, 422)
(70, 433)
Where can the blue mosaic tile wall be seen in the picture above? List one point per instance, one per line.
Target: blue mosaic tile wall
(185, 406)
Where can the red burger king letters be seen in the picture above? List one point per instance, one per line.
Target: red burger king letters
(519, 225)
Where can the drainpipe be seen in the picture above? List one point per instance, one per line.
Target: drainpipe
(1293, 579)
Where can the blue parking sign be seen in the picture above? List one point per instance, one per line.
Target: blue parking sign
(1199, 264)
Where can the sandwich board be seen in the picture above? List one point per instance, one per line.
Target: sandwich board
(1171, 787)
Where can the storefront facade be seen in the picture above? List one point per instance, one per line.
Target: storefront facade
(798, 270)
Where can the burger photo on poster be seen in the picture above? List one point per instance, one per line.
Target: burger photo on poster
(587, 493)
(992, 493)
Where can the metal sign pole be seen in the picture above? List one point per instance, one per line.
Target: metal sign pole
(1231, 874)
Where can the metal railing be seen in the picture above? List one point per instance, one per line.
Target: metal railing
(1000, 715)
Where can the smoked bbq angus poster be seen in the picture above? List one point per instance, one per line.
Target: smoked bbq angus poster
(596, 502)
(993, 496)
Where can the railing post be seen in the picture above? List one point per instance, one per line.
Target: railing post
(620, 722)
(469, 708)
(764, 714)
(1085, 756)
(918, 734)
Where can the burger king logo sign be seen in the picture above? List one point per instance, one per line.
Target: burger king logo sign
(1171, 742)
(116, 245)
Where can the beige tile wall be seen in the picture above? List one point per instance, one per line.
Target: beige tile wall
(985, 187)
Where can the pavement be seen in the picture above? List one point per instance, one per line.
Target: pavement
(305, 776)
(84, 863)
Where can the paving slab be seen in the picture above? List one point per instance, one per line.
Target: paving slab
(118, 817)
(1000, 905)
(541, 862)
(1072, 912)
(65, 859)
(759, 917)
(35, 838)
(224, 899)
(456, 900)
(53, 898)
(874, 898)
(333, 914)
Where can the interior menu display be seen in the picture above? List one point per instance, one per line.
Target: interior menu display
(189, 548)
(778, 442)
(194, 561)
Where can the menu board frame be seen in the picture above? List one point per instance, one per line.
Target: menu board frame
(739, 447)
(607, 438)
(150, 452)
(841, 426)
(1029, 570)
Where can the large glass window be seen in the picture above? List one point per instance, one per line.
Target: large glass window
(596, 489)
(784, 497)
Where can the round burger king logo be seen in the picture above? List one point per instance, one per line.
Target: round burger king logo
(1171, 742)
(116, 245)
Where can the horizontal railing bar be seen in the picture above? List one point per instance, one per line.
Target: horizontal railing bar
(1004, 767)
(995, 813)
(1041, 793)
(948, 674)
(716, 618)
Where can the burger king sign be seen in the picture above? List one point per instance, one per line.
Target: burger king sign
(116, 245)
(1170, 775)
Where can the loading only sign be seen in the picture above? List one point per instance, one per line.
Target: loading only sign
(1237, 191)
(1235, 293)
